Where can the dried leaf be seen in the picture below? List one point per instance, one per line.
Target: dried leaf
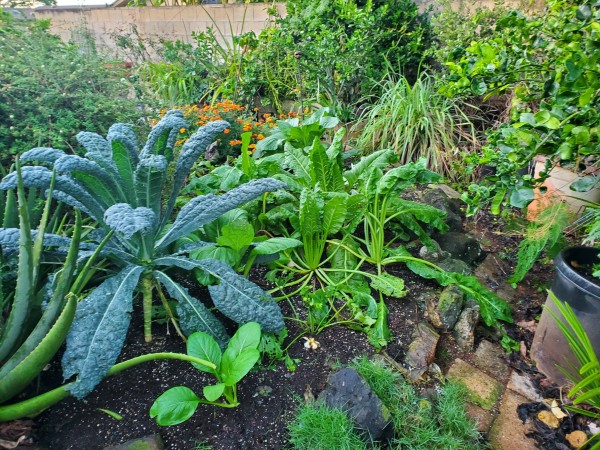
(559, 413)
(309, 397)
(11, 444)
(549, 419)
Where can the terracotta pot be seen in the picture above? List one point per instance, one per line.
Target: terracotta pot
(550, 348)
(557, 189)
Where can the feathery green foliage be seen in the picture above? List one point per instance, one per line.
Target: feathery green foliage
(544, 233)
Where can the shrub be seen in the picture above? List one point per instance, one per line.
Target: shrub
(52, 90)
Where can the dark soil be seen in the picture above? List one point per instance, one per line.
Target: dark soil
(268, 397)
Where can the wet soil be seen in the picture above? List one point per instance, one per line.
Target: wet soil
(269, 396)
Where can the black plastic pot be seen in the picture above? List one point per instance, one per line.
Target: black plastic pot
(549, 347)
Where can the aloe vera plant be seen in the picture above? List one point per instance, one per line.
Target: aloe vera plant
(30, 339)
(127, 193)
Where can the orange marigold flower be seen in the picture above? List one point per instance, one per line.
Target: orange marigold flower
(232, 143)
(255, 109)
(239, 120)
(252, 146)
(226, 131)
(182, 130)
(260, 137)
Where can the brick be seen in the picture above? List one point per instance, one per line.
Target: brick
(508, 432)
(483, 390)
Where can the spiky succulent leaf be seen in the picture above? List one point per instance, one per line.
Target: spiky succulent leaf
(98, 331)
(126, 220)
(193, 315)
(206, 208)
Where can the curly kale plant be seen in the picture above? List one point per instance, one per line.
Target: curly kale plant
(129, 196)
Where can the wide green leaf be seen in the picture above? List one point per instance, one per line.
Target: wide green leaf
(98, 331)
(236, 370)
(388, 285)
(174, 406)
(334, 214)
(213, 392)
(203, 346)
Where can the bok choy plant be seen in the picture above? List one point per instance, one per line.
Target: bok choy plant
(130, 197)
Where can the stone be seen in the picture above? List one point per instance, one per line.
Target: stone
(508, 432)
(443, 259)
(491, 359)
(451, 206)
(348, 391)
(577, 438)
(480, 416)
(443, 311)
(492, 273)
(462, 246)
(421, 351)
(455, 265)
(464, 330)
(523, 385)
(482, 389)
(153, 442)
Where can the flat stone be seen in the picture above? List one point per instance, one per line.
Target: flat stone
(348, 391)
(443, 311)
(483, 390)
(482, 418)
(508, 432)
(491, 359)
(523, 385)
(461, 246)
(421, 350)
(492, 273)
(153, 442)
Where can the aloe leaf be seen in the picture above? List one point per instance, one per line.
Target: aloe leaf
(17, 379)
(99, 330)
(22, 301)
(206, 208)
(193, 315)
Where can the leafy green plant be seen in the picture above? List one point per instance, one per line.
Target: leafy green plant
(586, 379)
(299, 134)
(417, 122)
(236, 243)
(52, 90)
(127, 194)
(178, 404)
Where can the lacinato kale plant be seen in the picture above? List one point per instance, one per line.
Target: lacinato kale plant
(129, 195)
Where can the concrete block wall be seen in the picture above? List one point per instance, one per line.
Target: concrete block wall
(153, 23)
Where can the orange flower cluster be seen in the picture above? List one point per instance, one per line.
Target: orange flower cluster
(240, 118)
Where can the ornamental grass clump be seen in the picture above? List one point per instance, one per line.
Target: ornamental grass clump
(417, 122)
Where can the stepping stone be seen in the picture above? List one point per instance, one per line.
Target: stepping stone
(508, 432)
(153, 442)
(483, 390)
(490, 358)
(522, 384)
(482, 418)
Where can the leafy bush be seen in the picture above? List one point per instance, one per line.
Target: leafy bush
(550, 63)
(339, 50)
(52, 90)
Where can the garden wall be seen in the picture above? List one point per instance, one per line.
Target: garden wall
(177, 22)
